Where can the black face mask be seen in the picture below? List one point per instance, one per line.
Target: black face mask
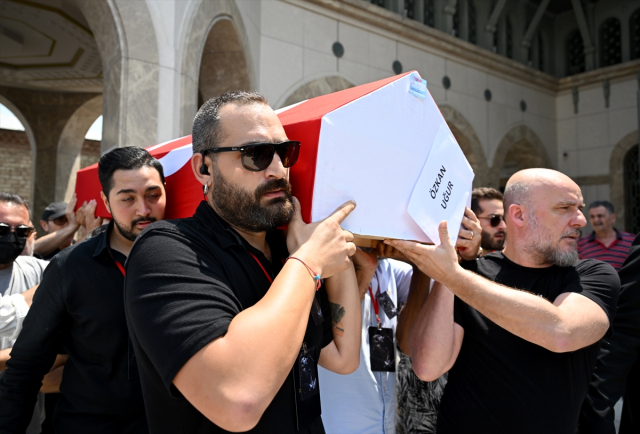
(10, 248)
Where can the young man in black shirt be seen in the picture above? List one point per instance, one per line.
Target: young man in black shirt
(228, 333)
(520, 329)
(79, 307)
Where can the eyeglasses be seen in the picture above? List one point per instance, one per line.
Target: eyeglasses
(258, 156)
(60, 221)
(22, 231)
(494, 219)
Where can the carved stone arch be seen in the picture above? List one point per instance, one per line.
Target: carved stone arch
(32, 141)
(616, 170)
(318, 87)
(469, 143)
(126, 39)
(203, 16)
(70, 146)
(519, 149)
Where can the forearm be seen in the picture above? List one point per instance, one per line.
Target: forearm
(49, 243)
(418, 293)
(432, 338)
(526, 315)
(234, 378)
(343, 354)
(4, 357)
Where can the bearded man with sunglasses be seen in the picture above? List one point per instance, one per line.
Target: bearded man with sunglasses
(486, 204)
(79, 306)
(228, 317)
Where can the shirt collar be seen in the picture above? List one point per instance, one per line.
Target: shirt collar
(592, 237)
(103, 242)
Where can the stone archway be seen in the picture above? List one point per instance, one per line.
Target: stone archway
(318, 87)
(70, 146)
(469, 143)
(616, 170)
(32, 142)
(223, 66)
(519, 149)
(203, 18)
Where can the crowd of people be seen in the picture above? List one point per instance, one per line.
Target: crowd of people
(222, 322)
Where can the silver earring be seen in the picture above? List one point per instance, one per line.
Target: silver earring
(206, 189)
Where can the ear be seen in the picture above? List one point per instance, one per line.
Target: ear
(517, 215)
(105, 200)
(613, 217)
(196, 164)
(44, 225)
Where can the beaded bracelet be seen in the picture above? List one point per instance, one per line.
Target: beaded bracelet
(316, 276)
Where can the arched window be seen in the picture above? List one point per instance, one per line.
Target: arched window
(575, 53)
(632, 191)
(634, 30)
(471, 16)
(610, 44)
(509, 42)
(540, 53)
(429, 13)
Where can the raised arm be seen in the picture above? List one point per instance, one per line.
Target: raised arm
(343, 354)
(571, 322)
(225, 380)
(418, 293)
(50, 242)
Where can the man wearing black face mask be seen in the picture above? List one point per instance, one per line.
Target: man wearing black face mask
(17, 275)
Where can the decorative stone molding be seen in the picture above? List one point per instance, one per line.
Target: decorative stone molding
(318, 87)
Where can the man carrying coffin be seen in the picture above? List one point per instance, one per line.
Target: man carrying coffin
(519, 329)
(79, 307)
(228, 318)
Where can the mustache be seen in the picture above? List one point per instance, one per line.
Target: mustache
(143, 219)
(273, 184)
(574, 232)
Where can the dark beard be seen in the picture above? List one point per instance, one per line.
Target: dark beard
(130, 233)
(243, 210)
(487, 242)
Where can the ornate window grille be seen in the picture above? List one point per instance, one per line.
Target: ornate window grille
(509, 42)
(610, 43)
(634, 30)
(471, 16)
(410, 8)
(575, 53)
(429, 13)
(632, 191)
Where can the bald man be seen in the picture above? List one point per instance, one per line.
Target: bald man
(519, 330)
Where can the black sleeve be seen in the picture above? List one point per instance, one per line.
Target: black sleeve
(599, 282)
(327, 331)
(34, 352)
(618, 353)
(458, 311)
(177, 300)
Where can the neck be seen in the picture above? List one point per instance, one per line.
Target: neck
(516, 253)
(257, 240)
(603, 235)
(118, 242)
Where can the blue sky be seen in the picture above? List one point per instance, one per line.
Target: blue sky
(8, 121)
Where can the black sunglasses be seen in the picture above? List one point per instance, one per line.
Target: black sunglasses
(258, 156)
(22, 231)
(494, 219)
(62, 220)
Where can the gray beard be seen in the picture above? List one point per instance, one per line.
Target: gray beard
(544, 250)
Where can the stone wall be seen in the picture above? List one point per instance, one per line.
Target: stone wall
(90, 153)
(15, 176)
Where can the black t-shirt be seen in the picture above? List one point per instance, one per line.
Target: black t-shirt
(186, 280)
(501, 383)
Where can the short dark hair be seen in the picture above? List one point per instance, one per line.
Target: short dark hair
(129, 158)
(483, 193)
(17, 199)
(206, 132)
(605, 203)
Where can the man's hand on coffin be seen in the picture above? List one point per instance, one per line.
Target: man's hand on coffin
(365, 264)
(386, 251)
(438, 262)
(323, 245)
(469, 237)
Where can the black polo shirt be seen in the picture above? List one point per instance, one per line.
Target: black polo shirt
(79, 306)
(186, 281)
